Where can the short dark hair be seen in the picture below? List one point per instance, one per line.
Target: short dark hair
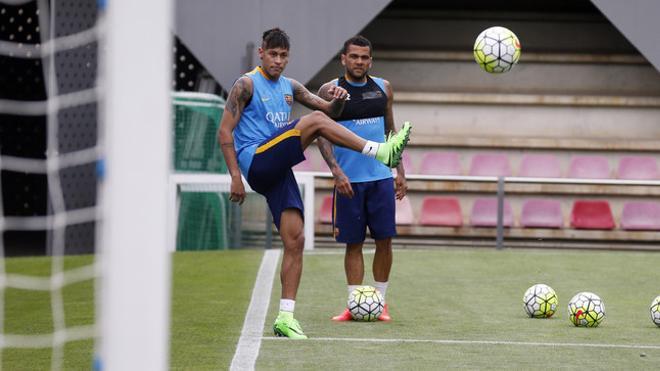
(358, 40)
(275, 38)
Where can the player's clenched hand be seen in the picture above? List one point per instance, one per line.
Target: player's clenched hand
(343, 185)
(401, 187)
(337, 92)
(237, 191)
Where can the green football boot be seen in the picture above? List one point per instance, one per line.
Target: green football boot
(286, 325)
(391, 151)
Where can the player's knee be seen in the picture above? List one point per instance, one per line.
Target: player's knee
(318, 119)
(294, 241)
(318, 115)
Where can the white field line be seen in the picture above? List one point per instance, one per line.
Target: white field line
(481, 342)
(249, 343)
(339, 251)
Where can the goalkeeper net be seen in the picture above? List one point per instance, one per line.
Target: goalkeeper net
(83, 169)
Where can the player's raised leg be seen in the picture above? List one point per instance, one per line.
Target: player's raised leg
(317, 124)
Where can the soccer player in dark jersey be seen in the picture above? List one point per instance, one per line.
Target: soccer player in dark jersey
(364, 189)
(259, 142)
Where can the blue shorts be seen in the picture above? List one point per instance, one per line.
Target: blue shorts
(270, 172)
(372, 206)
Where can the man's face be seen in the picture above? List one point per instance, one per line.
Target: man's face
(273, 61)
(357, 61)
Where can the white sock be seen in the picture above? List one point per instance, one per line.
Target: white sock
(382, 287)
(350, 290)
(287, 305)
(370, 149)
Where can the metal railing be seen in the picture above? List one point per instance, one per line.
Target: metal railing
(501, 184)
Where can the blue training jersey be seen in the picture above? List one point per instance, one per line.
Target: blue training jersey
(267, 111)
(364, 114)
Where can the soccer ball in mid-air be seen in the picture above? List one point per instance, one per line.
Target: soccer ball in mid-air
(540, 301)
(497, 49)
(586, 309)
(655, 311)
(365, 304)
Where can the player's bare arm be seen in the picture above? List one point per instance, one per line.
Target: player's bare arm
(342, 183)
(400, 180)
(239, 96)
(331, 107)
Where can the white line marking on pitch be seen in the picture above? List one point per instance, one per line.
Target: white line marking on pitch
(249, 343)
(480, 342)
(336, 252)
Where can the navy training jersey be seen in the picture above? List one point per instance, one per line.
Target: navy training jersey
(363, 114)
(266, 113)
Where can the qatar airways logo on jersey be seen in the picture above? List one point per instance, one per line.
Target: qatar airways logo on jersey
(278, 119)
(369, 121)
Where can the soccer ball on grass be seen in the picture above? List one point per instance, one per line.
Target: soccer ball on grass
(365, 304)
(586, 309)
(655, 311)
(540, 301)
(496, 50)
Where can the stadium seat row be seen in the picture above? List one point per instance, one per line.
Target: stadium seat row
(535, 213)
(531, 165)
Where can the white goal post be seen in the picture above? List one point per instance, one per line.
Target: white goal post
(136, 68)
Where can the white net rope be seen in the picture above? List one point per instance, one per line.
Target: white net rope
(58, 217)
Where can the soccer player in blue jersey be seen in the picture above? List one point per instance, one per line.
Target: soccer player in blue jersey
(364, 189)
(259, 142)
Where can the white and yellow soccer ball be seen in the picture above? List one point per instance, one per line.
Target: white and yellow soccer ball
(497, 50)
(586, 309)
(655, 310)
(540, 301)
(365, 304)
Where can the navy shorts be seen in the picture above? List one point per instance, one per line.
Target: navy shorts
(372, 206)
(270, 172)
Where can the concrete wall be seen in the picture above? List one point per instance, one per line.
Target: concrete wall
(224, 35)
(638, 21)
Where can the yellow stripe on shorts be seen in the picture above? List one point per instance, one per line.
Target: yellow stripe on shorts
(334, 212)
(277, 139)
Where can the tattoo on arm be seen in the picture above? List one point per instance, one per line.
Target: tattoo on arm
(306, 98)
(325, 147)
(239, 95)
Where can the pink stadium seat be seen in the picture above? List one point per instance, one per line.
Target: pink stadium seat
(589, 167)
(588, 214)
(638, 167)
(540, 166)
(306, 164)
(404, 212)
(641, 215)
(325, 214)
(322, 166)
(490, 164)
(407, 164)
(441, 163)
(441, 211)
(541, 213)
(484, 213)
